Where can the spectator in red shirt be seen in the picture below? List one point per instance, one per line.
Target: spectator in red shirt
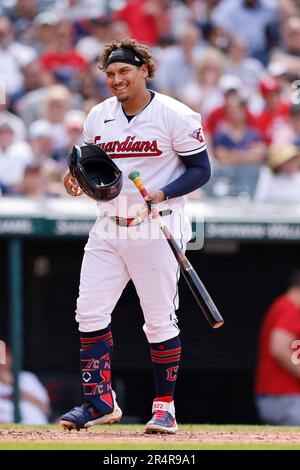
(239, 153)
(61, 56)
(276, 112)
(231, 86)
(277, 385)
(147, 20)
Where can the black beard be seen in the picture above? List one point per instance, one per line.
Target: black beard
(250, 5)
(123, 100)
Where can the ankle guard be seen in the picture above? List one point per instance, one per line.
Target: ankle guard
(96, 377)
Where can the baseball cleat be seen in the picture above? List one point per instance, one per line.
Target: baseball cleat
(163, 419)
(86, 415)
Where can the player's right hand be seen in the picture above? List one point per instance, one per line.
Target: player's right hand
(72, 186)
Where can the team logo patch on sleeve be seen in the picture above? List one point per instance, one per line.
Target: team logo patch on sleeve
(198, 135)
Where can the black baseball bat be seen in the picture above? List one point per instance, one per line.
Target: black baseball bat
(195, 284)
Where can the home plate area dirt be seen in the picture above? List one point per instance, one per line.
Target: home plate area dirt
(119, 435)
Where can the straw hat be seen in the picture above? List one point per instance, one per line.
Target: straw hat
(281, 153)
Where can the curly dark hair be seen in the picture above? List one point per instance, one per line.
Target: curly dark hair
(141, 51)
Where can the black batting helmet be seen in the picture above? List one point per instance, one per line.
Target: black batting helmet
(97, 175)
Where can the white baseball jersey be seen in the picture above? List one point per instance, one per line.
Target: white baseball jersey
(149, 143)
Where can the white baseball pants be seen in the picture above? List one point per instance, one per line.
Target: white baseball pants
(114, 255)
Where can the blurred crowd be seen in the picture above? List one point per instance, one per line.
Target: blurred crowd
(236, 62)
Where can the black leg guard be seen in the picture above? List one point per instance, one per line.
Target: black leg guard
(96, 377)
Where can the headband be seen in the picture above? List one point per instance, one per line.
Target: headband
(126, 55)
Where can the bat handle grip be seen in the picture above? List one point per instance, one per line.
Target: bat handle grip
(137, 181)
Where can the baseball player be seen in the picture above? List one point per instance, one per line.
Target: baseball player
(163, 139)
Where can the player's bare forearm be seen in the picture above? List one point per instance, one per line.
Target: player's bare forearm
(284, 361)
(281, 351)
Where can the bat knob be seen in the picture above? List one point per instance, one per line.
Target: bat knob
(133, 175)
(218, 324)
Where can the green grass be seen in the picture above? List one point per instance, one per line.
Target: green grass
(165, 443)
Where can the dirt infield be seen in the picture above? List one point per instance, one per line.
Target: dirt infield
(120, 434)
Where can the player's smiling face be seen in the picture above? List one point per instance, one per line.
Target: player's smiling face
(126, 81)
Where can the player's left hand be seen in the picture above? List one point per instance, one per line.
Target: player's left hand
(71, 185)
(155, 197)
